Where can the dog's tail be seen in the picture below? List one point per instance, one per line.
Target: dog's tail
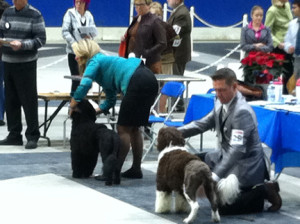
(228, 189)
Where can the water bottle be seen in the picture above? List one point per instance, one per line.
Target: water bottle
(278, 90)
(271, 93)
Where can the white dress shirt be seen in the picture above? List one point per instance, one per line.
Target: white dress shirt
(291, 35)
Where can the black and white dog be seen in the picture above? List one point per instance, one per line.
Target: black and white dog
(88, 139)
(184, 173)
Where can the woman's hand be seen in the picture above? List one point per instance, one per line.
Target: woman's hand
(259, 45)
(98, 111)
(72, 106)
(87, 37)
(291, 50)
(281, 45)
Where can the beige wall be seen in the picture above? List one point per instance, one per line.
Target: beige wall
(114, 34)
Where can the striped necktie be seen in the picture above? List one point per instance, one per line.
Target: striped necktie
(223, 113)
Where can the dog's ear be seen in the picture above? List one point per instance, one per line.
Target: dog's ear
(169, 136)
(176, 136)
(162, 141)
(87, 110)
(76, 112)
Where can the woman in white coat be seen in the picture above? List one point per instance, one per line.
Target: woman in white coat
(78, 23)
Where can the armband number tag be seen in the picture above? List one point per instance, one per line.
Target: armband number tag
(237, 137)
(177, 42)
(177, 29)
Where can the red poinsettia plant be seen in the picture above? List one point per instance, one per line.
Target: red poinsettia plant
(261, 67)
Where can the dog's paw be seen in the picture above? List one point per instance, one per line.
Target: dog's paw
(101, 178)
(108, 182)
(76, 175)
(80, 175)
(215, 217)
(117, 181)
(187, 220)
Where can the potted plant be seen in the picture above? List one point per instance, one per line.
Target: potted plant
(261, 67)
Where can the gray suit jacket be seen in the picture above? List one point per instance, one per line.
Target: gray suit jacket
(248, 40)
(240, 151)
(181, 17)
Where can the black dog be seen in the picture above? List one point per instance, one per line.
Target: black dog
(87, 140)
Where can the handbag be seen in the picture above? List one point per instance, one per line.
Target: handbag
(123, 47)
(291, 84)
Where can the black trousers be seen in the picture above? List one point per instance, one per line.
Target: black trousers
(21, 91)
(73, 66)
(250, 200)
(178, 69)
(288, 66)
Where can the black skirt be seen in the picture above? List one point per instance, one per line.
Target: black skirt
(140, 96)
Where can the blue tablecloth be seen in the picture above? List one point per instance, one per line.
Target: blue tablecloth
(280, 130)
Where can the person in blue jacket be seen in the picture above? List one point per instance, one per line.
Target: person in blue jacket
(116, 75)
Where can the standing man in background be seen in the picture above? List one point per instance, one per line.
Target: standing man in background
(24, 27)
(292, 38)
(180, 19)
(3, 6)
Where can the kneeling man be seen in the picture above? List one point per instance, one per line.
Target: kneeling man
(239, 147)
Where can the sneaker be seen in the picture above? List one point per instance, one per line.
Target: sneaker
(272, 189)
(11, 141)
(2, 123)
(31, 145)
(133, 174)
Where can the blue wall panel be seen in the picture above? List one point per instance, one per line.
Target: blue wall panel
(115, 13)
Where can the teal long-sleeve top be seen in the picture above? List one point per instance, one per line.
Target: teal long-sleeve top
(111, 72)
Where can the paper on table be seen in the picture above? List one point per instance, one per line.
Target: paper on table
(87, 31)
(291, 108)
(258, 103)
(4, 42)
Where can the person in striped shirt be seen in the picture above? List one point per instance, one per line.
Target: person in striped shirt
(23, 28)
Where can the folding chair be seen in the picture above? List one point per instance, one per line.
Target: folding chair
(179, 123)
(171, 90)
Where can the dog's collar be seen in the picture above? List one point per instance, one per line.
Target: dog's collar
(170, 149)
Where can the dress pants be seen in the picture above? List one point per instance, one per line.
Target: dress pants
(178, 69)
(288, 66)
(250, 200)
(73, 66)
(2, 96)
(21, 91)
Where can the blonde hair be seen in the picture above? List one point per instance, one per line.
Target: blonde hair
(157, 7)
(85, 49)
(277, 3)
